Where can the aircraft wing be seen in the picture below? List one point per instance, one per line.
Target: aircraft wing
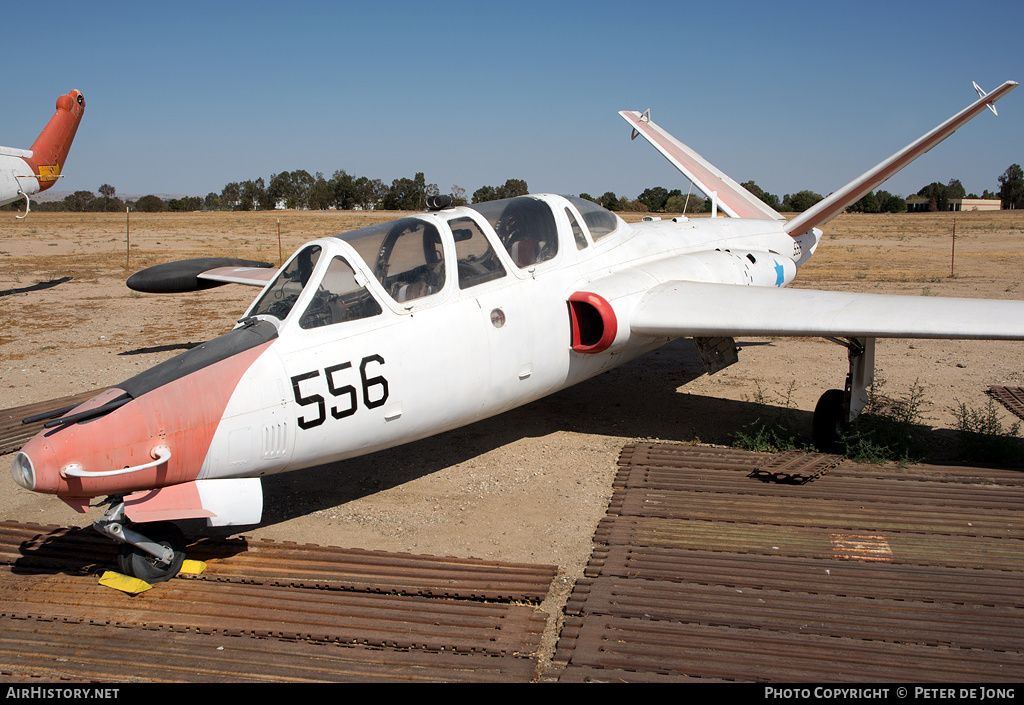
(684, 309)
(734, 200)
(252, 276)
(201, 273)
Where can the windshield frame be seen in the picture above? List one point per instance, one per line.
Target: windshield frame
(376, 240)
(330, 249)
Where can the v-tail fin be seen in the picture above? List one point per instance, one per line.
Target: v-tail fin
(731, 198)
(840, 200)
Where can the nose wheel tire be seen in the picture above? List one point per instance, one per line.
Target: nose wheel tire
(141, 564)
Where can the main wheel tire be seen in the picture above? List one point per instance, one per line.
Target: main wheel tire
(144, 566)
(829, 421)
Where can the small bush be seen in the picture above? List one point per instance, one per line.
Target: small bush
(888, 430)
(983, 436)
(772, 430)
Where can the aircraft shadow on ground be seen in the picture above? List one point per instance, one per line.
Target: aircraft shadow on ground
(35, 287)
(160, 348)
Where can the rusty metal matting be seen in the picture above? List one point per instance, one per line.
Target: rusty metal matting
(795, 466)
(1010, 397)
(14, 434)
(870, 573)
(265, 611)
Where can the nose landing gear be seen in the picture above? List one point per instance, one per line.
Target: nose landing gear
(155, 556)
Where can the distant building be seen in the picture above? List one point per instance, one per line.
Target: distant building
(976, 204)
(919, 204)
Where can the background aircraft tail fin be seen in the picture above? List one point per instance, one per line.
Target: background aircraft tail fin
(840, 200)
(732, 199)
(50, 150)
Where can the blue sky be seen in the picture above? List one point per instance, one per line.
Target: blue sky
(185, 97)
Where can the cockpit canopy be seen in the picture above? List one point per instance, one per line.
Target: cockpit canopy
(339, 296)
(525, 227)
(407, 256)
(600, 221)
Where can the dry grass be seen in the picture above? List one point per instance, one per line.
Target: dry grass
(857, 251)
(917, 250)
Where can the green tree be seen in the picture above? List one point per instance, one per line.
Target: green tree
(1011, 187)
(321, 195)
(484, 194)
(107, 192)
(231, 196)
(679, 202)
(371, 192)
(289, 188)
(889, 203)
(654, 198)
(281, 190)
(150, 204)
(512, 188)
(302, 185)
(253, 196)
(78, 201)
(409, 194)
(771, 200)
(610, 201)
(868, 204)
(344, 190)
(802, 200)
(185, 205)
(938, 196)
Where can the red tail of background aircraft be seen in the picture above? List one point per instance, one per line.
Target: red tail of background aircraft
(24, 172)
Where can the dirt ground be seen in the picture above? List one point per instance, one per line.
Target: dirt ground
(528, 486)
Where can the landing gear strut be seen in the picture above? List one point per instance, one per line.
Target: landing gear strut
(837, 408)
(155, 556)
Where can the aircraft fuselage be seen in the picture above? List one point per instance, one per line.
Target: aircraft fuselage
(492, 334)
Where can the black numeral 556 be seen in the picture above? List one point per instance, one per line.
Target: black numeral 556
(374, 391)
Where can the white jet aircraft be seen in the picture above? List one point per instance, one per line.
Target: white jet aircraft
(401, 330)
(24, 172)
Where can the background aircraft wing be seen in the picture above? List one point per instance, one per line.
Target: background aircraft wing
(685, 309)
(733, 200)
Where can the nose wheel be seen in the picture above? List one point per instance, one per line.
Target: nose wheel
(153, 552)
(140, 563)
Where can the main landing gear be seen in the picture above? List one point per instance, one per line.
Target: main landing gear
(153, 556)
(837, 408)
